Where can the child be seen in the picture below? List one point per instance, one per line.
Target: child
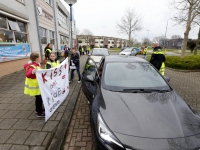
(52, 62)
(31, 84)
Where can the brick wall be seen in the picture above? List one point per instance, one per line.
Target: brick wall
(12, 66)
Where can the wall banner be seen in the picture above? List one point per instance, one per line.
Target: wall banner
(54, 87)
(14, 52)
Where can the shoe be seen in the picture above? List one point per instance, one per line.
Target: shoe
(42, 115)
(43, 111)
(70, 81)
(79, 81)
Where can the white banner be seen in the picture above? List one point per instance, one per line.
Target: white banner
(54, 87)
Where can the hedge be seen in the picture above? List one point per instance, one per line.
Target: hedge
(186, 63)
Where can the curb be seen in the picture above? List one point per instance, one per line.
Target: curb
(56, 142)
(179, 70)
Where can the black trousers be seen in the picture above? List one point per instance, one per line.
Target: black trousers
(38, 104)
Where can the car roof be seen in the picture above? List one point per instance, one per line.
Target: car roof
(96, 58)
(119, 58)
(100, 49)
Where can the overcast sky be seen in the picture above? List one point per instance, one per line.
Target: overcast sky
(101, 17)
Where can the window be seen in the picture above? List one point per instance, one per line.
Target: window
(112, 42)
(20, 37)
(43, 35)
(3, 22)
(6, 36)
(79, 41)
(63, 39)
(12, 31)
(51, 35)
(13, 25)
(62, 19)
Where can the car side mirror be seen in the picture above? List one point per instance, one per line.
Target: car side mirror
(167, 78)
(89, 78)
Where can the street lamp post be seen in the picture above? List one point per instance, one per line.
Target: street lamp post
(147, 38)
(166, 31)
(71, 3)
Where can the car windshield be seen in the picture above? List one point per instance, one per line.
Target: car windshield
(127, 50)
(120, 76)
(100, 52)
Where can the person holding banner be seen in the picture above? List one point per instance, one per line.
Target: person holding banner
(31, 84)
(75, 59)
(52, 62)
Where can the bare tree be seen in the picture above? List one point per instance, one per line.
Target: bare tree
(86, 34)
(77, 36)
(175, 37)
(159, 39)
(146, 41)
(130, 23)
(188, 14)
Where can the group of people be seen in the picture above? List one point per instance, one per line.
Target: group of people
(31, 84)
(84, 50)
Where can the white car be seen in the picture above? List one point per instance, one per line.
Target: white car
(128, 52)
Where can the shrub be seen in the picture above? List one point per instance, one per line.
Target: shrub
(186, 63)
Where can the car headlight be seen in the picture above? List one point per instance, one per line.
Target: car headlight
(105, 134)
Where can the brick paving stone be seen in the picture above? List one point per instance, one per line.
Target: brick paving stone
(19, 147)
(79, 136)
(21, 124)
(19, 137)
(36, 138)
(5, 134)
(5, 146)
(7, 123)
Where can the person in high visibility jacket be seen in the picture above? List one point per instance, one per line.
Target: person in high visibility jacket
(88, 49)
(31, 84)
(52, 62)
(145, 52)
(83, 50)
(158, 59)
(48, 50)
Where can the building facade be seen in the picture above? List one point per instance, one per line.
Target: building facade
(18, 34)
(101, 41)
(28, 26)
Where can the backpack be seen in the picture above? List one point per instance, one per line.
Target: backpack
(66, 50)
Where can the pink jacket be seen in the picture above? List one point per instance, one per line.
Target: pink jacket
(30, 68)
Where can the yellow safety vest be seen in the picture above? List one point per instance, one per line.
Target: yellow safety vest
(162, 68)
(50, 51)
(31, 86)
(82, 49)
(53, 64)
(145, 51)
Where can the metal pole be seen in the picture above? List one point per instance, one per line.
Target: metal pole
(56, 25)
(37, 24)
(71, 35)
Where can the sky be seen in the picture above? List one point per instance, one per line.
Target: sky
(102, 16)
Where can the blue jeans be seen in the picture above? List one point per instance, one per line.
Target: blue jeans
(78, 72)
(145, 57)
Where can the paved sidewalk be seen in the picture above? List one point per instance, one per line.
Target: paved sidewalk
(20, 129)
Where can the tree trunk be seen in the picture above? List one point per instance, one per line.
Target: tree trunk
(197, 43)
(186, 34)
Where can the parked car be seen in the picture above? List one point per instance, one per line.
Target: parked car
(100, 52)
(129, 52)
(133, 107)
